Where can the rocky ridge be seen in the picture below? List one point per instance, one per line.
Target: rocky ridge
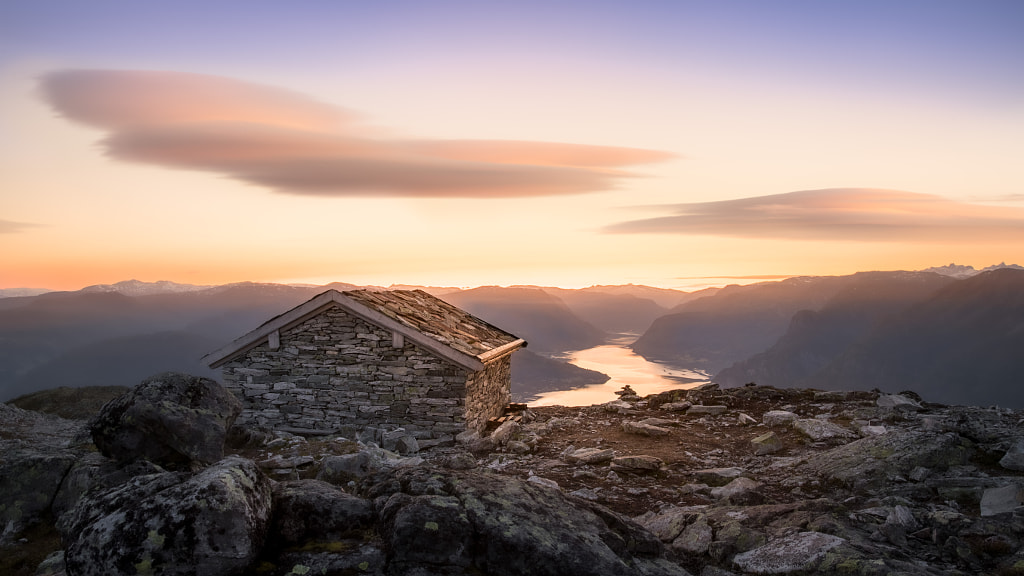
(752, 480)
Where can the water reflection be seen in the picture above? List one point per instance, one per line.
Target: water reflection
(624, 367)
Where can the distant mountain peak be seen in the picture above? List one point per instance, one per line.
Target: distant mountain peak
(22, 292)
(138, 288)
(964, 271)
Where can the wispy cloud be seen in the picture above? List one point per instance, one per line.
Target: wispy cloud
(857, 214)
(10, 227)
(292, 144)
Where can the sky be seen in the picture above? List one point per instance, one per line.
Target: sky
(674, 144)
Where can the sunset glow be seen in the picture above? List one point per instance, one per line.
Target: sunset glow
(464, 144)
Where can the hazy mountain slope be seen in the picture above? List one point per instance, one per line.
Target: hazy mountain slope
(815, 338)
(544, 321)
(45, 329)
(664, 297)
(961, 346)
(124, 361)
(713, 332)
(613, 313)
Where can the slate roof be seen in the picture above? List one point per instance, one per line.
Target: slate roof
(426, 320)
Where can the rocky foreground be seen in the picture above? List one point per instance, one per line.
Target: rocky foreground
(752, 480)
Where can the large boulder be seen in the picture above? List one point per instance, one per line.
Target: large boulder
(307, 511)
(171, 419)
(29, 482)
(460, 522)
(875, 461)
(36, 452)
(171, 523)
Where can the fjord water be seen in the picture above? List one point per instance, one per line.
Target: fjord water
(623, 367)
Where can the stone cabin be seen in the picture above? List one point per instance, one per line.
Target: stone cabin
(360, 359)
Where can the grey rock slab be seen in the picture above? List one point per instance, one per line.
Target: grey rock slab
(540, 481)
(745, 420)
(29, 483)
(790, 554)
(741, 491)
(347, 467)
(719, 476)
(818, 430)
(643, 429)
(866, 431)
(768, 443)
(590, 456)
(315, 511)
(660, 422)
(695, 538)
(898, 402)
(699, 409)
(1014, 457)
(637, 464)
(668, 524)
(1003, 499)
(778, 418)
(278, 461)
(503, 433)
(450, 522)
(873, 462)
(172, 523)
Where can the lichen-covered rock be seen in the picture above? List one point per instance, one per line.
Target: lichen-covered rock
(741, 491)
(348, 467)
(639, 464)
(773, 418)
(733, 538)
(644, 429)
(448, 522)
(1014, 457)
(875, 461)
(365, 559)
(768, 443)
(315, 511)
(1001, 500)
(170, 419)
(718, 476)
(29, 481)
(898, 402)
(818, 430)
(694, 539)
(171, 523)
(794, 553)
(667, 524)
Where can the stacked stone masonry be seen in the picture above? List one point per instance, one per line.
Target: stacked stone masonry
(336, 371)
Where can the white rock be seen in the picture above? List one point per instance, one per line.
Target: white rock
(1003, 499)
(821, 429)
(793, 553)
(897, 401)
(778, 418)
(543, 482)
(1014, 457)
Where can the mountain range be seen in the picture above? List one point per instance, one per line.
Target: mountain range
(951, 333)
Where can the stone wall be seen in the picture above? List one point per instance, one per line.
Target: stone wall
(488, 392)
(338, 372)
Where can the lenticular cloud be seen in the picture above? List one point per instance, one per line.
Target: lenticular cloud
(845, 214)
(293, 144)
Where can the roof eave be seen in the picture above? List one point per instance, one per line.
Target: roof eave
(501, 351)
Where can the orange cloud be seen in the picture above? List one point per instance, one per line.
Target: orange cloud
(857, 214)
(292, 144)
